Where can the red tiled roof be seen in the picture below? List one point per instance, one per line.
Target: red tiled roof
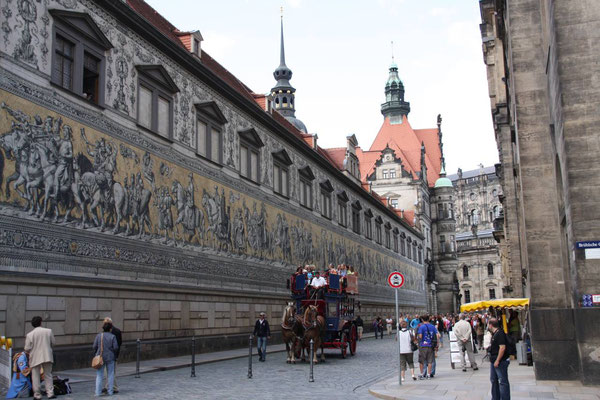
(337, 155)
(157, 20)
(366, 163)
(406, 143)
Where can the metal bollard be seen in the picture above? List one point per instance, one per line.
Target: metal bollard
(137, 358)
(250, 357)
(193, 375)
(311, 377)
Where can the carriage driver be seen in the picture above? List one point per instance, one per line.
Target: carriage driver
(317, 285)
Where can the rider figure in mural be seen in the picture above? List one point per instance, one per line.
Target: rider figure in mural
(64, 171)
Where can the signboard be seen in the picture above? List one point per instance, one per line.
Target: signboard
(590, 244)
(396, 280)
(592, 254)
(590, 300)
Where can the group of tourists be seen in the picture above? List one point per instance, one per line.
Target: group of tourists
(317, 281)
(34, 364)
(425, 333)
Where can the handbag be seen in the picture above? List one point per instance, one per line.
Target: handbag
(413, 345)
(97, 361)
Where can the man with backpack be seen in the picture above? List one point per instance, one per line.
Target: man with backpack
(427, 335)
(500, 351)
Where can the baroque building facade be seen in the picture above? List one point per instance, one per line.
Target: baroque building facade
(403, 166)
(542, 73)
(481, 275)
(141, 180)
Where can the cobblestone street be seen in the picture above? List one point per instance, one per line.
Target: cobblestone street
(336, 378)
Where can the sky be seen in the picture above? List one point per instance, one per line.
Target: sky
(340, 53)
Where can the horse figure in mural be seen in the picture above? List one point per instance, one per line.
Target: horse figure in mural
(188, 215)
(314, 326)
(291, 331)
(16, 147)
(217, 217)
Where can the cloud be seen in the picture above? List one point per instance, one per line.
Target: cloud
(294, 3)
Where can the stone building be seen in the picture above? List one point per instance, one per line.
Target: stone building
(403, 166)
(541, 59)
(143, 181)
(480, 272)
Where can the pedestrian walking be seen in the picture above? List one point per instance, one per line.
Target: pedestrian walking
(378, 327)
(359, 327)
(499, 360)
(427, 333)
(117, 332)
(389, 325)
(407, 339)
(262, 333)
(462, 330)
(480, 331)
(38, 344)
(105, 345)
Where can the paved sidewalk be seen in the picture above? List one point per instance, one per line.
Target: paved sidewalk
(453, 384)
(165, 364)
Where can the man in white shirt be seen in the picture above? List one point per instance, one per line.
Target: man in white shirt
(317, 284)
(406, 353)
(388, 324)
(463, 333)
(39, 343)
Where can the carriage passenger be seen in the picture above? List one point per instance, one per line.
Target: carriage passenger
(317, 285)
(343, 271)
(332, 270)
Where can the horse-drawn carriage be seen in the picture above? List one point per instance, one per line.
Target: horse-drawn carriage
(326, 317)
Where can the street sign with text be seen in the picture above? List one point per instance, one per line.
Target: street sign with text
(396, 279)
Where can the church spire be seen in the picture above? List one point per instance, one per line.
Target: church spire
(394, 107)
(283, 92)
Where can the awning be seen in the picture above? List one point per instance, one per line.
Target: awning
(512, 304)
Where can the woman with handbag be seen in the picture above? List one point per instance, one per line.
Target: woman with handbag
(408, 346)
(105, 348)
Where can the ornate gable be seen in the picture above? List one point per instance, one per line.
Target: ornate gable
(83, 25)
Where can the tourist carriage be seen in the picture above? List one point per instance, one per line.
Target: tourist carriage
(336, 307)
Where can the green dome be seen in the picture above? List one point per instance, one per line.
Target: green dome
(443, 182)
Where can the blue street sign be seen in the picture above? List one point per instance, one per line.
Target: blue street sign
(590, 244)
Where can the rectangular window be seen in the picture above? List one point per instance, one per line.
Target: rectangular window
(196, 47)
(420, 256)
(254, 166)
(91, 77)
(392, 173)
(467, 296)
(326, 204)
(284, 182)
(368, 227)
(244, 161)
(145, 107)
(201, 130)
(378, 233)
(342, 213)
(394, 203)
(62, 72)
(305, 193)
(408, 253)
(442, 244)
(276, 179)
(492, 294)
(396, 243)
(164, 117)
(215, 145)
(388, 242)
(385, 174)
(403, 246)
(356, 220)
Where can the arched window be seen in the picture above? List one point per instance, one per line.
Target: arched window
(490, 268)
(496, 210)
(465, 271)
(473, 217)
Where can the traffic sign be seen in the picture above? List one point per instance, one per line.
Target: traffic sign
(396, 279)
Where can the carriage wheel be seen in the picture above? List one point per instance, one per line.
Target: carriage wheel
(353, 339)
(344, 343)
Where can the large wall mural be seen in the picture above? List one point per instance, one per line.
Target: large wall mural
(57, 171)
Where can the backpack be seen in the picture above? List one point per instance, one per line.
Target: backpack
(61, 386)
(511, 345)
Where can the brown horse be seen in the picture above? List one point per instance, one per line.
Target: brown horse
(291, 329)
(314, 324)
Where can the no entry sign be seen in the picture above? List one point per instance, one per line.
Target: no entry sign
(396, 279)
